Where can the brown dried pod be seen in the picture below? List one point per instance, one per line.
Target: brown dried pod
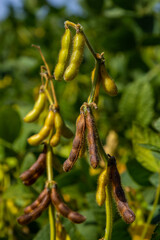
(83, 147)
(119, 196)
(63, 209)
(33, 179)
(38, 166)
(92, 138)
(76, 217)
(27, 218)
(77, 143)
(36, 203)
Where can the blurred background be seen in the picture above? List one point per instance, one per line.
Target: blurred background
(128, 32)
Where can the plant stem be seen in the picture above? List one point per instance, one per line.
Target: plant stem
(48, 96)
(101, 150)
(95, 82)
(52, 220)
(68, 23)
(89, 46)
(43, 58)
(108, 202)
(54, 94)
(151, 213)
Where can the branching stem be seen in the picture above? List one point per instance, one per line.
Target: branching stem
(43, 58)
(109, 220)
(52, 220)
(54, 94)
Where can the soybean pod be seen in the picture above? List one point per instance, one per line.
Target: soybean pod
(63, 209)
(76, 57)
(92, 138)
(44, 132)
(101, 189)
(118, 194)
(37, 167)
(77, 143)
(63, 55)
(61, 129)
(36, 203)
(107, 82)
(38, 107)
(31, 216)
(58, 126)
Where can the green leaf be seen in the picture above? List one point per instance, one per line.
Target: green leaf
(99, 212)
(150, 147)
(18, 193)
(28, 161)
(43, 234)
(139, 174)
(120, 231)
(10, 123)
(156, 234)
(72, 230)
(137, 103)
(145, 156)
(89, 229)
(156, 124)
(154, 179)
(128, 181)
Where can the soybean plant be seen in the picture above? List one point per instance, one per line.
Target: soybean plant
(109, 183)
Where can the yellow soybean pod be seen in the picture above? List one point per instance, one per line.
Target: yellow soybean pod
(38, 107)
(101, 192)
(96, 95)
(108, 83)
(63, 55)
(44, 132)
(58, 126)
(76, 57)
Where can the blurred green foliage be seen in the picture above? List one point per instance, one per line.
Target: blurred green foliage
(129, 34)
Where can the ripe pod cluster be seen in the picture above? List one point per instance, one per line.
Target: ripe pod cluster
(84, 122)
(118, 193)
(35, 171)
(53, 119)
(63, 55)
(34, 210)
(45, 130)
(62, 70)
(76, 57)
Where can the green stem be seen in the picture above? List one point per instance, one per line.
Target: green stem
(48, 96)
(151, 213)
(101, 150)
(89, 45)
(95, 81)
(52, 220)
(108, 202)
